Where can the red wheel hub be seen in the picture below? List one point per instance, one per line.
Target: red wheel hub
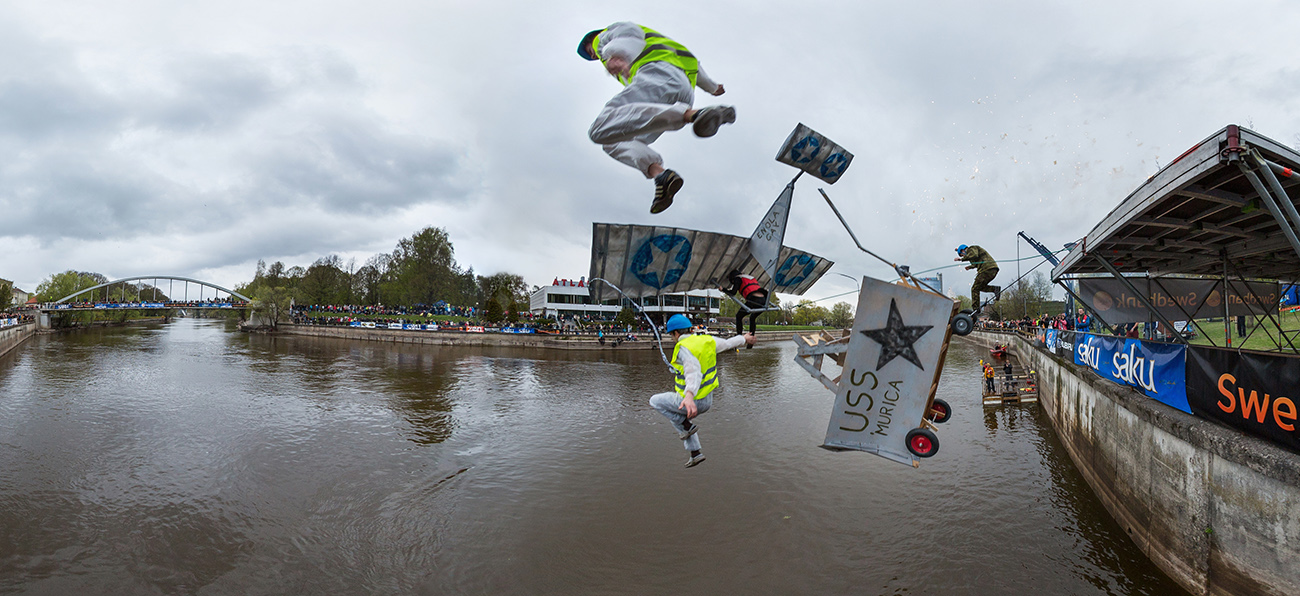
(921, 444)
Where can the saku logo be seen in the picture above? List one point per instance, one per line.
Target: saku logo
(661, 260)
(1133, 369)
(800, 265)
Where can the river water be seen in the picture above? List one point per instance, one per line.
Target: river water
(187, 458)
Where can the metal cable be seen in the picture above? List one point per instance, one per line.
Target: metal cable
(658, 339)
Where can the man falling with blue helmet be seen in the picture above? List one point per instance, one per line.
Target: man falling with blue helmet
(695, 359)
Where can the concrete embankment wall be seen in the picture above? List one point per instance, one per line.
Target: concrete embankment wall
(10, 337)
(1217, 510)
(645, 341)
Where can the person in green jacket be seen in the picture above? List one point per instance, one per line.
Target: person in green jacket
(659, 76)
(986, 269)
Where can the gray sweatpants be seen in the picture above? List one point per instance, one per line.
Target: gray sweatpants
(670, 405)
(654, 103)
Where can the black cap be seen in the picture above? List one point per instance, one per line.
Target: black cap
(584, 47)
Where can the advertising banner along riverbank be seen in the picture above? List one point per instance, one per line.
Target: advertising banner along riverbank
(1177, 298)
(1256, 393)
(1158, 370)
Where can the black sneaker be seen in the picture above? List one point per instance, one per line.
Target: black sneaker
(708, 120)
(997, 294)
(695, 461)
(667, 183)
(686, 434)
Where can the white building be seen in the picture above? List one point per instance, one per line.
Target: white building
(567, 298)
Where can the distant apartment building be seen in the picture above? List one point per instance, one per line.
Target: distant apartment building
(566, 298)
(18, 296)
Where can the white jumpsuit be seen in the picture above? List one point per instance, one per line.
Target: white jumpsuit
(654, 102)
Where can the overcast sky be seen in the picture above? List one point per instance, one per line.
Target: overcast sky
(193, 139)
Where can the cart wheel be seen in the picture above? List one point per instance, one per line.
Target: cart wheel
(962, 324)
(940, 411)
(922, 443)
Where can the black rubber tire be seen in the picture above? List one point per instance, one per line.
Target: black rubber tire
(922, 443)
(940, 411)
(962, 324)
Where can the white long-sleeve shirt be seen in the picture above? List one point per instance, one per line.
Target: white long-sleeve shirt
(691, 365)
(626, 40)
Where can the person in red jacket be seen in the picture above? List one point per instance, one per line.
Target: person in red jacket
(749, 291)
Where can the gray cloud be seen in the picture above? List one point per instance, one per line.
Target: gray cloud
(340, 129)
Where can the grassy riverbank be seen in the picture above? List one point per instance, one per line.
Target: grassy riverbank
(1259, 340)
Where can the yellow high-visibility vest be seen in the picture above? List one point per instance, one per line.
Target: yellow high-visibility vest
(705, 349)
(658, 48)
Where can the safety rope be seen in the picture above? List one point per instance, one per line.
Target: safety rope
(658, 339)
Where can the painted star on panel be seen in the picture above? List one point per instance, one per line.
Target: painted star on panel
(665, 260)
(896, 339)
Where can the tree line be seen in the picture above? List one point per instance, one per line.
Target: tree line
(421, 271)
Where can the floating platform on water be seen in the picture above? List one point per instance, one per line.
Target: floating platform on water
(1013, 389)
(1010, 397)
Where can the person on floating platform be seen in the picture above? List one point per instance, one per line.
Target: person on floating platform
(752, 294)
(695, 359)
(988, 378)
(659, 77)
(986, 269)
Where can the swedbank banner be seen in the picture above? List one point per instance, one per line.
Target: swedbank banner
(1177, 298)
(1256, 393)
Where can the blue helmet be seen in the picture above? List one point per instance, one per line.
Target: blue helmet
(677, 323)
(961, 249)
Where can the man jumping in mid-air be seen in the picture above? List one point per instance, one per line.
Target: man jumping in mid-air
(695, 360)
(659, 77)
(987, 269)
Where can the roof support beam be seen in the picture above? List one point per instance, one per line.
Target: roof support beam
(1267, 198)
(1140, 296)
(1196, 191)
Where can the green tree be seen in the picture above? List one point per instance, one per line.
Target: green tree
(503, 287)
(272, 303)
(626, 316)
(512, 314)
(492, 312)
(422, 269)
(841, 316)
(325, 282)
(59, 285)
(808, 312)
(1025, 299)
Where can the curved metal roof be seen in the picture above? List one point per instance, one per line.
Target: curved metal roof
(1202, 207)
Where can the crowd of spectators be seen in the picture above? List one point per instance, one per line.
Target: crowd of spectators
(1081, 322)
(463, 318)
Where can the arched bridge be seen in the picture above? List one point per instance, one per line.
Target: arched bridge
(120, 293)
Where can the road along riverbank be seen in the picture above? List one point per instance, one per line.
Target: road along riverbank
(1212, 507)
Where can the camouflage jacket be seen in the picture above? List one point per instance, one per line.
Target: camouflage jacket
(979, 257)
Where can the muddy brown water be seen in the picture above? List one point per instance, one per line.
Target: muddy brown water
(189, 459)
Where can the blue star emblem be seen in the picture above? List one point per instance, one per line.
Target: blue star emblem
(805, 150)
(834, 165)
(801, 266)
(661, 260)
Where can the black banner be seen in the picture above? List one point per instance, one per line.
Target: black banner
(1177, 298)
(1256, 393)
